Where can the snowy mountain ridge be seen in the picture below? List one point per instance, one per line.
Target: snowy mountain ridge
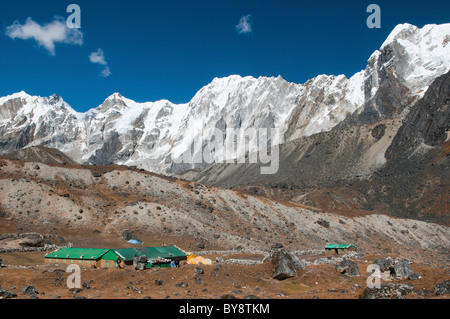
(151, 135)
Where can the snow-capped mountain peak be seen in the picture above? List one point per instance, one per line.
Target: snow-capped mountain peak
(114, 100)
(19, 95)
(404, 30)
(419, 54)
(151, 135)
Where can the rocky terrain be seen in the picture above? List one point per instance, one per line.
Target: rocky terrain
(61, 198)
(32, 280)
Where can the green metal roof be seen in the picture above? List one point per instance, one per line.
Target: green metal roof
(334, 246)
(110, 255)
(150, 252)
(78, 253)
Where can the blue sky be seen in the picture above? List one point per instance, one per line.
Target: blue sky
(170, 49)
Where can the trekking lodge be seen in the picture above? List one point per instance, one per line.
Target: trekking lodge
(161, 257)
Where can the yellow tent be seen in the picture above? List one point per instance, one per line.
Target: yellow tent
(204, 261)
(194, 260)
(207, 262)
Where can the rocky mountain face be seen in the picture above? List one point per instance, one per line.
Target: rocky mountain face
(396, 76)
(428, 122)
(144, 134)
(389, 156)
(41, 154)
(402, 70)
(27, 121)
(398, 166)
(154, 136)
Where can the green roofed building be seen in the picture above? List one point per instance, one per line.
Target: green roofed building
(93, 257)
(112, 258)
(157, 256)
(342, 248)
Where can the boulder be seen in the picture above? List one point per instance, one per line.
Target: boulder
(140, 262)
(200, 245)
(402, 269)
(387, 291)
(285, 264)
(86, 284)
(323, 223)
(29, 290)
(398, 268)
(348, 267)
(384, 264)
(442, 288)
(130, 235)
(199, 270)
(183, 284)
(6, 294)
(414, 276)
(197, 279)
(31, 240)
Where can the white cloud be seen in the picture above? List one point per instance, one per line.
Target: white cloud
(106, 72)
(98, 57)
(46, 35)
(244, 25)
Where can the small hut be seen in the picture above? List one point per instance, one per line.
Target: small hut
(343, 248)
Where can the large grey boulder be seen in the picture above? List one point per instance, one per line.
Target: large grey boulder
(385, 264)
(285, 264)
(140, 262)
(387, 291)
(348, 267)
(397, 268)
(6, 294)
(403, 270)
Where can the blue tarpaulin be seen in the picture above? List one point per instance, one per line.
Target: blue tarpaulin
(133, 241)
